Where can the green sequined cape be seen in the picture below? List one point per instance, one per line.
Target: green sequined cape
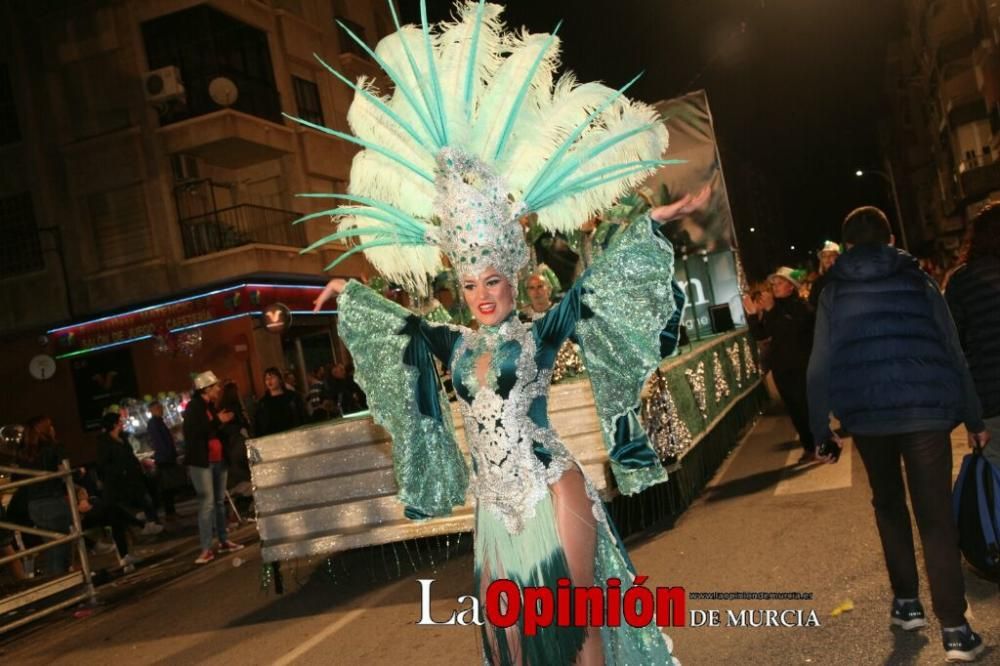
(625, 300)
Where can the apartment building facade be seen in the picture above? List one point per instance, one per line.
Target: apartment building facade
(146, 165)
(941, 134)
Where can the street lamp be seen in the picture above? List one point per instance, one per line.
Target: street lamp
(889, 178)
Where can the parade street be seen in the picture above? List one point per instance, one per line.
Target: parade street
(762, 525)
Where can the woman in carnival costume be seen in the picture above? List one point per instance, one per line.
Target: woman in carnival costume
(477, 133)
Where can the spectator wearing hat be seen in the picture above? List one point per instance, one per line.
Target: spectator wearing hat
(783, 317)
(205, 458)
(828, 256)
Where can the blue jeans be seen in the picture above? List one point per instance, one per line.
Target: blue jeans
(210, 485)
(52, 513)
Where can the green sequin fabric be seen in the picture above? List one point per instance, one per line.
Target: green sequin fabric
(430, 470)
(628, 289)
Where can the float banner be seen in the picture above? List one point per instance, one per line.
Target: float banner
(692, 139)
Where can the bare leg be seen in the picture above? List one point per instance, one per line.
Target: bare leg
(578, 533)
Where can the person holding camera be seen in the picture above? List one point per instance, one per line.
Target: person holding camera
(901, 385)
(783, 317)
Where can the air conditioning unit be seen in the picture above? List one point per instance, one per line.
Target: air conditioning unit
(163, 85)
(185, 168)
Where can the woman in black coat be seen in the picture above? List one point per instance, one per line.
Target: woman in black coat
(785, 319)
(123, 482)
(234, 435)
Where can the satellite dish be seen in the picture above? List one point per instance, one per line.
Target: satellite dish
(42, 367)
(223, 91)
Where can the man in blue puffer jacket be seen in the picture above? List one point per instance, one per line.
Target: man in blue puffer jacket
(887, 362)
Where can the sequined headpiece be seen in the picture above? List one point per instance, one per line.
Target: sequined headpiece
(477, 132)
(479, 225)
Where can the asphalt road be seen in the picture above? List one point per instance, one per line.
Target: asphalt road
(764, 525)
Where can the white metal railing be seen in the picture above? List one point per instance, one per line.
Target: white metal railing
(51, 586)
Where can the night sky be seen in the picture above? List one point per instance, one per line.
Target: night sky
(795, 87)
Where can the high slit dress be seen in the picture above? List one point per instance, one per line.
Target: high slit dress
(617, 310)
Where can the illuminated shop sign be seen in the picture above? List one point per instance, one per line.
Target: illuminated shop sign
(183, 314)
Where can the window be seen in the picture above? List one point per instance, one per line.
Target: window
(307, 100)
(347, 43)
(206, 44)
(10, 131)
(20, 247)
(120, 226)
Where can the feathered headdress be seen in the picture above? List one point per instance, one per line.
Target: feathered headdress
(477, 133)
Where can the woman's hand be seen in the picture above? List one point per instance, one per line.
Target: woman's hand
(749, 305)
(332, 288)
(684, 206)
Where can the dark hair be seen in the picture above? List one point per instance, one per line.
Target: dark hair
(866, 226)
(33, 439)
(230, 394)
(110, 420)
(155, 403)
(274, 371)
(984, 235)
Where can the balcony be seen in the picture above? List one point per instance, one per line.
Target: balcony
(950, 31)
(229, 139)
(240, 225)
(978, 179)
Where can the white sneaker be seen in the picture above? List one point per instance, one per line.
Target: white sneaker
(151, 529)
(104, 547)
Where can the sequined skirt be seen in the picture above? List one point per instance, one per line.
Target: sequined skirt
(535, 557)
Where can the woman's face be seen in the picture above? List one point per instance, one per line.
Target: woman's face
(489, 296)
(273, 382)
(827, 260)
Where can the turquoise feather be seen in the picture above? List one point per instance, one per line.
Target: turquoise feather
(391, 73)
(435, 82)
(473, 52)
(567, 170)
(359, 248)
(600, 177)
(574, 135)
(515, 108)
(404, 218)
(435, 116)
(378, 232)
(402, 161)
(379, 104)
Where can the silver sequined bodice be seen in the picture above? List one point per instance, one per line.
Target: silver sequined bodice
(508, 477)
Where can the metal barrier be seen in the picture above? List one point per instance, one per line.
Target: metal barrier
(53, 586)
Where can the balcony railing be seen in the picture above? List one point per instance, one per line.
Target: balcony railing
(978, 180)
(240, 225)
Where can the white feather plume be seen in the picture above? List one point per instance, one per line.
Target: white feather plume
(531, 130)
